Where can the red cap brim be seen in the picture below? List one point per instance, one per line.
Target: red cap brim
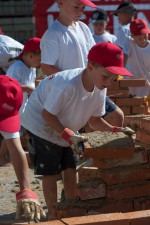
(88, 3)
(119, 71)
(10, 124)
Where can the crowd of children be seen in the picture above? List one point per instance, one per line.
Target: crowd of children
(79, 67)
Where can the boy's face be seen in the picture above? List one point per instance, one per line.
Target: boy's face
(102, 78)
(124, 18)
(35, 60)
(141, 40)
(71, 9)
(99, 28)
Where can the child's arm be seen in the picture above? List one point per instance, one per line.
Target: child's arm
(49, 69)
(27, 88)
(68, 135)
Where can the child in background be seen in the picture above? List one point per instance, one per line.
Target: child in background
(100, 20)
(60, 106)
(11, 97)
(125, 13)
(24, 70)
(137, 51)
(9, 51)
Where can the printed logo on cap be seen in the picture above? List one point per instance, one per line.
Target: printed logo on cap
(7, 107)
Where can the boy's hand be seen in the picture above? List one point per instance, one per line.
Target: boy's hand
(28, 206)
(126, 130)
(73, 139)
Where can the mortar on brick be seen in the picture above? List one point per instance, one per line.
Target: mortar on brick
(98, 140)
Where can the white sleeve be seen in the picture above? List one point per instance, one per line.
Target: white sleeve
(15, 72)
(121, 38)
(7, 135)
(49, 48)
(4, 56)
(126, 48)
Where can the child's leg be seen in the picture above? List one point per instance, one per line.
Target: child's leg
(50, 193)
(69, 179)
(4, 160)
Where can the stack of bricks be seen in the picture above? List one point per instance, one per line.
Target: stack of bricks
(141, 124)
(119, 93)
(119, 183)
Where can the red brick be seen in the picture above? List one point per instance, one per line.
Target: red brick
(124, 174)
(132, 83)
(129, 190)
(90, 189)
(54, 222)
(140, 156)
(130, 101)
(118, 93)
(126, 110)
(139, 217)
(103, 219)
(142, 203)
(109, 153)
(134, 121)
(143, 136)
(145, 124)
(114, 85)
(86, 173)
(111, 206)
(70, 212)
(138, 109)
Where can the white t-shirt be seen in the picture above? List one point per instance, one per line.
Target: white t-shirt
(122, 34)
(105, 37)
(66, 47)
(139, 59)
(24, 75)
(62, 95)
(9, 48)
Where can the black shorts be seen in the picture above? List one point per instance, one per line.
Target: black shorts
(49, 158)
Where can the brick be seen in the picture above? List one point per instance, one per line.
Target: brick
(54, 222)
(90, 189)
(138, 109)
(118, 93)
(114, 85)
(110, 153)
(126, 110)
(70, 212)
(143, 136)
(134, 121)
(86, 173)
(129, 190)
(145, 124)
(142, 203)
(124, 174)
(139, 217)
(140, 156)
(111, 206)
(130, 101)
(109, 219)
(108, 145)
(132, 83)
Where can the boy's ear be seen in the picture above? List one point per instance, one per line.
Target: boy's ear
(90, 65)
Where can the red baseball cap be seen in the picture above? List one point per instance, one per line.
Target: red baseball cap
(88, 3)
(1, 32)
(109, 56)
(31, 45)
(138, 27)
(11, 96)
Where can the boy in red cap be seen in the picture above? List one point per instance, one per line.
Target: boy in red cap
(59, 107)
(24, 70)
(137, 50)
(11, 97)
